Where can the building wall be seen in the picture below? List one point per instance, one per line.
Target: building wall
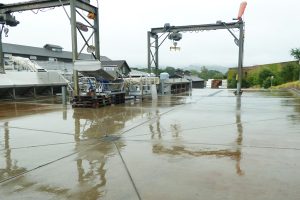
(198, 84)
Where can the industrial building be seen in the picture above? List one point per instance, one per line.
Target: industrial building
(50, 59)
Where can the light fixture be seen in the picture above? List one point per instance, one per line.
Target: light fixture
(82, 26)
(6, 30)
(91, 15)
(91, 49)
(236, 41)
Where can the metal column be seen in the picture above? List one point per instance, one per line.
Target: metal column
(241, 57)
(74, 44)
(2, 70)
(156, 55)
(97, 37)
(149, 50)
(64, 95)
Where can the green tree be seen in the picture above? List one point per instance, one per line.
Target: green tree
(296, 54)
(204, 73)
(210, 74)
(287, 73)
(264, 75)
(170, 70)
(195, 72)
(215, 74)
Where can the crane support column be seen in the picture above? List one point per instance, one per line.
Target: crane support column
(156, 55)
(74, 44)
(97, 35)
(241, 57)
(148, 51)
(2, 70)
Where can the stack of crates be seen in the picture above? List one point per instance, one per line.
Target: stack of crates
(91, 101)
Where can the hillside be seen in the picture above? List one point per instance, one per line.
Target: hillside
(209, 67)
(265, 75)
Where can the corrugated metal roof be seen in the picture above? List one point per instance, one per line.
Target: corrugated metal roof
(117, 63)
(36, 51)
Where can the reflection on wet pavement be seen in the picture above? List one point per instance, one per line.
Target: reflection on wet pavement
(205, 145)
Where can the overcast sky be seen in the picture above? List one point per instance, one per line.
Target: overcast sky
(272, 29)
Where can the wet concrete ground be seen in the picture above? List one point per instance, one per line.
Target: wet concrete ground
(211, 145)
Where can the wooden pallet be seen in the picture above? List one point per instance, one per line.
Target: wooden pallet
(91, 101)
(118, 98)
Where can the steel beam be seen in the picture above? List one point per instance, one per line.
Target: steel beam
(40, 4)
(32, 5)
(149, 50)
(85, 6)
(2, 69)
(203, 27)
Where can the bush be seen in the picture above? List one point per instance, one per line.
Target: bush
(263, 77)
(288, 73)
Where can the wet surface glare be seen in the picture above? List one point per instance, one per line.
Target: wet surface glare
(205, 145)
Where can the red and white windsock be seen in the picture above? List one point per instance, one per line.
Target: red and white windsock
(242, 10)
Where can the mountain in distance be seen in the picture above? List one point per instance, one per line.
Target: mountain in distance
(196, 67)
(209, 67)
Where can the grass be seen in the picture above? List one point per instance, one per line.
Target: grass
(290, 85)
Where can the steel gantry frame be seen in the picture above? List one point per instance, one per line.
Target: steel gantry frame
(84, 5)
(153, 42)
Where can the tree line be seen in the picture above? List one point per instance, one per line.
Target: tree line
(204, 73)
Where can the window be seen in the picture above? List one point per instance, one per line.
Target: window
(57, 49)
(52, 59)
(7, 55)
(33, 58)
(109, 68)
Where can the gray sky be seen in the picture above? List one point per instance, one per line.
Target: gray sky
(272, 29)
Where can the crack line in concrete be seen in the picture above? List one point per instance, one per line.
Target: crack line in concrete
(41, 145)
(44, 145)
(128, 172)
(38, 130)
(40, 166)
(227, 145)
(215, 93)
(213, 126)
(43, 165)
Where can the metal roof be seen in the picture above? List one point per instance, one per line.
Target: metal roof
(47, 46)
(37, 51)
(117, 63)
(193, 78)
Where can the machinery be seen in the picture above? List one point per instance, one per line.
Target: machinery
(174, 33)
